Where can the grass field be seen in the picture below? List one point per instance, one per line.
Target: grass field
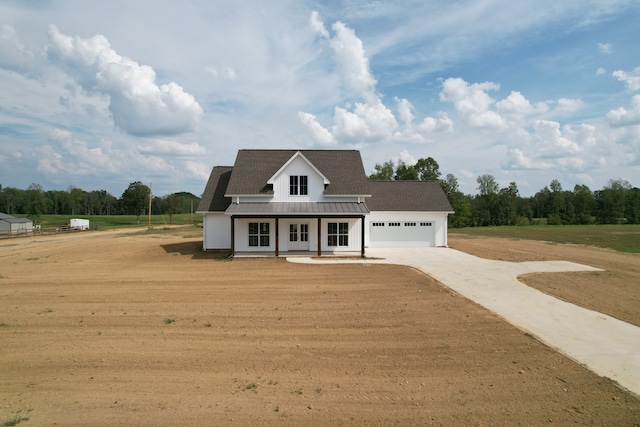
(623, 238)
(105, 222)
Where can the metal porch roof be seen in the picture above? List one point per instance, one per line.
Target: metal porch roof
(298, 208)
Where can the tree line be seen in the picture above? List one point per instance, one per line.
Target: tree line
(617, 203)
(35, 201)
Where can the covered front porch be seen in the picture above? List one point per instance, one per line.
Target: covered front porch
(275, 229)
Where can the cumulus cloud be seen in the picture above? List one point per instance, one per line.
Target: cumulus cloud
(631, 80)
(552, 146)
(473, 103)
(622, 117)
(69, 155)
(353, 62)
(318, 25)
(568, 105)
(369, 120)
(138, 105)
(15, 55)
(319, 133)
(516, 107)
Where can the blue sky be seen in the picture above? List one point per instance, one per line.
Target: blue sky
(96, 95)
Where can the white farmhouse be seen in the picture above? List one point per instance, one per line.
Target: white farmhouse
(318, 201)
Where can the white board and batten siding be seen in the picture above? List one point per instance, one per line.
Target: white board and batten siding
(216, 230)
(406, 229)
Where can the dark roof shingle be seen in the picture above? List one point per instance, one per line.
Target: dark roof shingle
(343, 169)
(213, 199)
(425, 196)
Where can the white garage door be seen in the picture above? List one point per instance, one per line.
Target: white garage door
(402, 233)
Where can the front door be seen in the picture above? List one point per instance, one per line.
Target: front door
(298, 237)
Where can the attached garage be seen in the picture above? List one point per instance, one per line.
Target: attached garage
(407, 214)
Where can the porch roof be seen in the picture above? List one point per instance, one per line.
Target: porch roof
(298, 208)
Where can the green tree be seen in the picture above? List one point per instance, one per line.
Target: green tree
(76, 197)
(487, 185)
(459, 202)
(486, 206)
(405, 172)
(36, 204)
(584, 202)
(427, 169)
(173, 206)
(135, 199)
(383, 172)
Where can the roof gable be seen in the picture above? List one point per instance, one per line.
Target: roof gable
(412, 196)
(298, 154)
(253, 169)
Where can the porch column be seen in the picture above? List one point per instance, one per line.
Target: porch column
(319, 237)
(233, 235)
(277, 238)
(362, 234)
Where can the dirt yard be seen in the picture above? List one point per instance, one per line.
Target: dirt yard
(115, 328)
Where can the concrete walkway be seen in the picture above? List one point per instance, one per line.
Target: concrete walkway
(607, 346)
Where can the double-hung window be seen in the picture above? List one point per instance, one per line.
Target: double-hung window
(338, 234)
(258, 234)
(298, 185)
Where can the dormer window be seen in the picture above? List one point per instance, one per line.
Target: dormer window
(298, 185)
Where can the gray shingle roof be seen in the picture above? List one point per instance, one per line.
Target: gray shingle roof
(298, 208)
(407, 196)
(12, 219)
(343, 169)
(213, 199)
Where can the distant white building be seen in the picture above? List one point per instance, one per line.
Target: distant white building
(12, 225)
(79, 224)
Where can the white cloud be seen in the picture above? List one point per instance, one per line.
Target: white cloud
(405, 110)
(472, 103)
(15, 55)
(318, 25)
(368, 120)
(440, 124)
(227, 72)
(138, 105)
(319, 133)
(605, 48)
(568, 106)
(622, 117)
(350, 55)
(631, 80)
(371, 120)
(601, 71)
(174, 148)
(407, 158)
(516, 107)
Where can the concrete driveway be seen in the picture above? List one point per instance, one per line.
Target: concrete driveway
(605, 345)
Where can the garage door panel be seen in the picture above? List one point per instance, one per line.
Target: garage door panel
(402, 233)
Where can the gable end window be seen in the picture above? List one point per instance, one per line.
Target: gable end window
(258, 234)
(338, 234)
(298, 185)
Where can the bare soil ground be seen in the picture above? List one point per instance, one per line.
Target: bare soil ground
(114, 328)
